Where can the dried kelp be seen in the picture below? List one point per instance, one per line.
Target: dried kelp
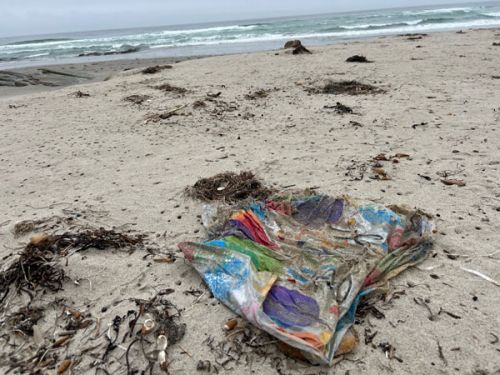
(23, 320)
(240, 346)
(257, 94)
(35, 267)
(137, 99)
(358, 59)
(339, 108)
(229, 187)
(349, 88)
(166, 87)
(38, 264)
(155, 69)
(80, 94)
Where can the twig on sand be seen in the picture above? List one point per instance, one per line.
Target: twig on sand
(481, 275)
(164, 115)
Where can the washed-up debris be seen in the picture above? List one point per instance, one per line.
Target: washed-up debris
(380, 173)
(297, 47)
(413, 36)
(257, 94)
(414, 126)
(23, 320)
(237, 346)
(230, 324)
(38, 264)
(348, 88)
(339, 108)
(425, 177)
(356, 124)
(63, 366)
(451, 181)
(137, 99)
(40, 225)
(229, 187)
(199, 104)
(358, 59)
(214, 95)
(394, 158)
(157, 117)
(389, 351)
(167, 87)
(79, 241)
(80, 94)
(35, 267)
(155, 69)
(481, 275)
(425, 303)
(356, 170)
(263, 256)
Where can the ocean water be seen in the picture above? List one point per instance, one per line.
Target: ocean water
(241, 36)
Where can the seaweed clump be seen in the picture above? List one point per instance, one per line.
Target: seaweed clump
(155, 69)
(358, 59)
(38, 264)
(349, 88)
(229, 187)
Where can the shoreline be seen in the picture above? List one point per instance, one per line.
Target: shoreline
(99, 70)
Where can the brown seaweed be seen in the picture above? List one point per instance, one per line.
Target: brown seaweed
(349, 88)
(229, 187)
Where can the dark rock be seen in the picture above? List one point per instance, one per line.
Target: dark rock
(293, 44)
(298, 48)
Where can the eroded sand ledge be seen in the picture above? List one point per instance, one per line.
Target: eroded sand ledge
(441, 106)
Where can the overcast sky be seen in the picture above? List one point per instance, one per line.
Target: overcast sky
(25, 17)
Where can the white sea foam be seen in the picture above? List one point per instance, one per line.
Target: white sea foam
(316, 29)
(437, 11)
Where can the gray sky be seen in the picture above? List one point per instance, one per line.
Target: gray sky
(24, 17)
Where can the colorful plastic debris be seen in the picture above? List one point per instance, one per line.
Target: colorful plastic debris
(297, 267)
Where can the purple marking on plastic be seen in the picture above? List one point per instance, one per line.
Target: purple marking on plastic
(290, 308)
(338, 210)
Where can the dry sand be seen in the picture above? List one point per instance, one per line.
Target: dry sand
(96, 156)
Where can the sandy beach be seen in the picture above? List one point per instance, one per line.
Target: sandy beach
(109, 161)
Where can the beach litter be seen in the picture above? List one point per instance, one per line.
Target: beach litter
(298, 266)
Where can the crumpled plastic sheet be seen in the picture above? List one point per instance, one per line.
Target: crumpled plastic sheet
(297, 267)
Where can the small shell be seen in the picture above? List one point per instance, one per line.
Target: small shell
(162, 342)
(147, 327)
(38, 238)
(63, 366)
(230, 324)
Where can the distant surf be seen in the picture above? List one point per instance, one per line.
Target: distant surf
(231, 37)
